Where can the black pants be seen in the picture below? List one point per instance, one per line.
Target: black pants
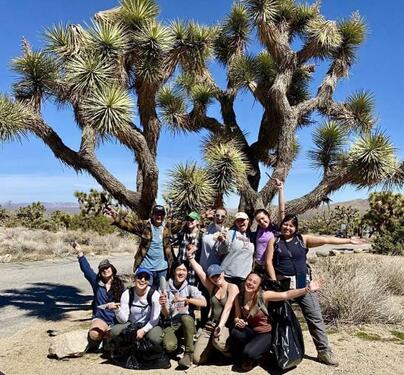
(254, 345)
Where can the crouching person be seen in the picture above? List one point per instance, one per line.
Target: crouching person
(138, 314)
(107, 287)
(177, 304)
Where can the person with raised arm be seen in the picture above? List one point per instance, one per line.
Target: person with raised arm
(286, 261)
(266, 229)
(222, 295)
(107, 287)
(252, 333)
(177, 304)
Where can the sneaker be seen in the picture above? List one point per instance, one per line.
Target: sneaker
(186, 361)
(328, 358)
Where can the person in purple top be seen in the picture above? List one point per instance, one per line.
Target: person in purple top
(266, 229)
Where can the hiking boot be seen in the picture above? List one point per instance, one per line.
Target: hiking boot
(186, 361)
(247, 365)
(92, 346)
(328, 358)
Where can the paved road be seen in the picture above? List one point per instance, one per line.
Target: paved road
(47, 290)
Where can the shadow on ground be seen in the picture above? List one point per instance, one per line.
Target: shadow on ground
(47, 301)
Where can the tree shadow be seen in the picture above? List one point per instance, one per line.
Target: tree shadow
(47, 301)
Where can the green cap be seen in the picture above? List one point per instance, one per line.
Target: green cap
(194, 216)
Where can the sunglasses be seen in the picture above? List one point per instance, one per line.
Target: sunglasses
(105, 268)
(143, 276)
(219, 216)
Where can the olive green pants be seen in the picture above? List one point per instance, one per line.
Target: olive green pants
(154, 335)
(184, 324)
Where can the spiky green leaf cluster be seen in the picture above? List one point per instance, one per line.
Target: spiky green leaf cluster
(65, 40)
(371, 159)
(138, 12)
(260, 69)
(37, 75)
(362, 105)
(108, 110)
(262, 11)
(172, 105)
(108, 39)
(395, 180)
(87, 73)
(353, 33)
(329, 141)
(227, 166)
(193, 45)
(151, 42)
(233, 34)
(188, 189)
(15, 118)
(299, 87)
(323, 35)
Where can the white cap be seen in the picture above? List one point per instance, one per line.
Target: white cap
(241, 215)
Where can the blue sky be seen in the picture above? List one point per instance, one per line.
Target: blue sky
(29, 172)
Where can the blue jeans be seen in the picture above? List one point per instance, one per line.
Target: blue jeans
(155, 280)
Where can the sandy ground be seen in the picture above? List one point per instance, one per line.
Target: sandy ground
(26, 353)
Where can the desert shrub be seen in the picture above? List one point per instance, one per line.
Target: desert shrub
(385, 216)
(358, 290)
(98, 223)
(35, 244)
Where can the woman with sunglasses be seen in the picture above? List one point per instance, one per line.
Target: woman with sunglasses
(237, 247)
(251, 335)
(107, 287)
(222, 295)
(286, 261)
(137, 307)
(266, 229)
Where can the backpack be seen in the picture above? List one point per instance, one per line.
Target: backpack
(148, 297)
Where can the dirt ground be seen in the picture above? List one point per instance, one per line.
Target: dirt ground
(376, 351)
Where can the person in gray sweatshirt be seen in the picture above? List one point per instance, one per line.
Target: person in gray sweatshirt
(237, 247)
(177, 303)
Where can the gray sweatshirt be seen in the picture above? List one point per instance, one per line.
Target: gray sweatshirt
(239, 252)
(185, 290)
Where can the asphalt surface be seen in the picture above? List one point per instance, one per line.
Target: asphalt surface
(46, 290)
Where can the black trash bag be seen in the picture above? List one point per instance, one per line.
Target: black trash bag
(287, 336)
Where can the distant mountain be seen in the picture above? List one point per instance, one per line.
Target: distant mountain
(361, 204)
(70, 207)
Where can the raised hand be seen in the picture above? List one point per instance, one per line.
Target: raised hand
(76, 248)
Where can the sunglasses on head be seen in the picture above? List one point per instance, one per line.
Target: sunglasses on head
(219, 216)
(143, 275)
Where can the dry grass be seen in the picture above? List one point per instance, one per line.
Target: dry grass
(18, 244)
(360, 288)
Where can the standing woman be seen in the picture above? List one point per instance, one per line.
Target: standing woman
(266, 229)
(286, 261)
(107, 287)
(253, 324)
(222, 295)
(238, 250)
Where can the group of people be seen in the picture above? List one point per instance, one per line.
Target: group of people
(217, 270)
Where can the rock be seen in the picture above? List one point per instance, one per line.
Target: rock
(70, 344)
(6, 258)
(334, 252)
(358, 251)
(322, 253)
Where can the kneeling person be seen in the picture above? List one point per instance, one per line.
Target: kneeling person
(176, 306)
(139, 311)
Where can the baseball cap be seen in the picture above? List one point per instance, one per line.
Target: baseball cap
(158, 209)
(214, 269)
(104, 264)
(194, 216)
(141, 270)
(241, 215)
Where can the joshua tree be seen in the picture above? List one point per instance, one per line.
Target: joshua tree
(128, 52)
